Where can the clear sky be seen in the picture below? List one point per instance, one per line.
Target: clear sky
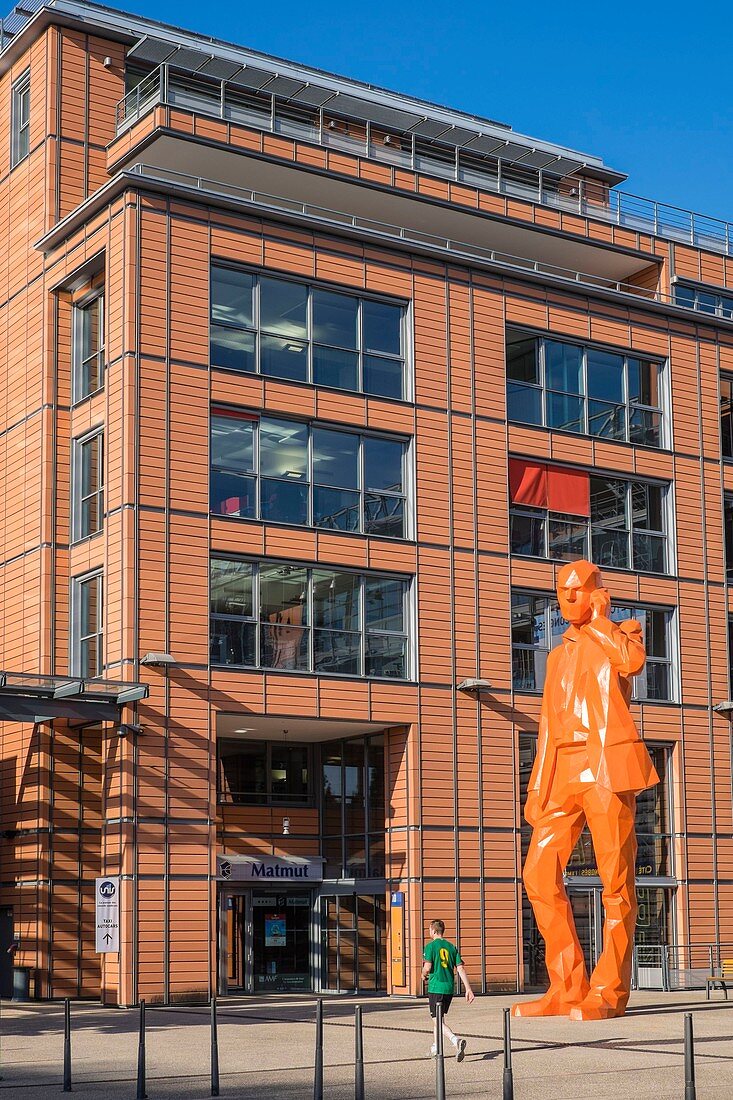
(646, 86)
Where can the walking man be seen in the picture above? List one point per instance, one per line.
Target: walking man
(442, 960)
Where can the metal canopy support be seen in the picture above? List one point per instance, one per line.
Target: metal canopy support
(28, 697)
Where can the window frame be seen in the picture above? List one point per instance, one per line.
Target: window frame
(372, 829)
(722, 306)
(77, 497)
(671, 661)
(542, 338)
(80, 312)
(407, 632)
(363, 490)
(76, 638)
(257, 331)
(20, 118)
(726, 446)
(221, 797)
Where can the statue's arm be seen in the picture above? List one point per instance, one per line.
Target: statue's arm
(622, 643)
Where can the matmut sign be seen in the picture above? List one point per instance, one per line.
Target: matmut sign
(269, 868)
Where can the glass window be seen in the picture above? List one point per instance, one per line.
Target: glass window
(728, 524)
(308, 475)
(20, 119)
(289, 330)
(537, 627)
(308, 620)
(353, 803)
(726, 416)
(88, 487)
(627, 528)
(583, 389)
(262, 773)
(86, 651)
(88, 347)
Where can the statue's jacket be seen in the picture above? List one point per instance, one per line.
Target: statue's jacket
(586, 699)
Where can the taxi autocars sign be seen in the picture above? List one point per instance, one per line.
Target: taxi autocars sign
(107, 908)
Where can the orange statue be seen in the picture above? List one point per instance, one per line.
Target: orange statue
(590, 766)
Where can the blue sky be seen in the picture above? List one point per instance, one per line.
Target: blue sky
(645, 86)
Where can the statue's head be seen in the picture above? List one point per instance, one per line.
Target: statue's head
(575, 583)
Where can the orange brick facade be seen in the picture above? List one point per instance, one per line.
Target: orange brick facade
(81, 802)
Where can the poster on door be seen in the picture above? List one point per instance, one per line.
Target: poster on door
(275, 930)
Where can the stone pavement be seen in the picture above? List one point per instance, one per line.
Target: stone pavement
(266, 1051)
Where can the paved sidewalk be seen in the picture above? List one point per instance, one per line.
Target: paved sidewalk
(266, 1051)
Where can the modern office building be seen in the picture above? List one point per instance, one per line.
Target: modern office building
(309, 388)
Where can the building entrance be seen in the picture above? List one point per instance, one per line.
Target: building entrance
(268, 941)
(353, 931)
(588, 915)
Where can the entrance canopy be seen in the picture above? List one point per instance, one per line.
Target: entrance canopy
(27, 697)
(269, 727)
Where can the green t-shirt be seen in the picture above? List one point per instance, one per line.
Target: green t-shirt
(445, 957)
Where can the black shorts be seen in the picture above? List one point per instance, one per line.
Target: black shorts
(435, 999)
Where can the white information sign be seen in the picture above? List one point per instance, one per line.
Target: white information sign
(107, 898)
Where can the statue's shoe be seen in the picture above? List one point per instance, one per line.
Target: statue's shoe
(595, 1008)
(552, 1004)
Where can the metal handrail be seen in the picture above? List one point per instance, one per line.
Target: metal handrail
(584, 198)
(458, 249)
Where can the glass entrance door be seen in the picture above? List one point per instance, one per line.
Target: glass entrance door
(354, 942)
(281, 941)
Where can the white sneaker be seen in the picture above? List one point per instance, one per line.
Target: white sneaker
(460, 1045)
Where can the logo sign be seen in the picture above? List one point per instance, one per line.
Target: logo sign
(270, 870)
(107, 908)
(397, 937)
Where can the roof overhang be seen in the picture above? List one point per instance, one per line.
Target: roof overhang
(154, 43)
(27, 697)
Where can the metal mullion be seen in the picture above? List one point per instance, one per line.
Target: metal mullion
(309, 611)
(360, 347)
(362, 624)
(362, 487)
(309, 471)
(309, 333)
(627, 400)
(256, 321)
(584, 375)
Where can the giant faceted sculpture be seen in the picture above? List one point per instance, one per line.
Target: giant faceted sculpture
(590, 766)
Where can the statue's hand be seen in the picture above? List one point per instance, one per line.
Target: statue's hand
(600, 602)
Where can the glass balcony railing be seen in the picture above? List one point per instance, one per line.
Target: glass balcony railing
(573, 194)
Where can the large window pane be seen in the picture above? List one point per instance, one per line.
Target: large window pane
(567, 538)
(565, 412)
(243, 772)
(646, 506)
(384, 603)
(231, 587)
(384, 515)
(383, 377)
(649, 553)
(283, 308)
(232, 349)
(382, 327)
(335, 459)
(332, 789)
(386, 655)
(726, 416)
(645, 427)
(233, 494)
(608, 502)
(610, 548)
(283, 449)
(289, 773)
(563, 367)
(522, 361)
(527, 534)
(233, 642)
(383, 464)
(524, 403)
(354, 793)
(336, 509)
(283, 502)
(335, 319)
(606, 420)
(283, 594)
(232, 443)
(336, 600)
(337, 368)
(605, 376)
(337, 651)
(231, 296)
(284, 358)
(284, 647)
(643, 382)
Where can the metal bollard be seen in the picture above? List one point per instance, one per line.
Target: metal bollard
(318, 1069)
(67, 1046)
(214, 1051)
(141, 1093)
(439, 1060)
(690, 1090)
(358, 1055)
(508, 1078)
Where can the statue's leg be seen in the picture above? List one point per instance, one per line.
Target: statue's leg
(553, 840)
(611, 822)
